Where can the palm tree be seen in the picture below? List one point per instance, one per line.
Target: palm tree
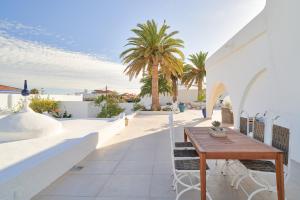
(164, 87)
(194, 73)
(151, 49)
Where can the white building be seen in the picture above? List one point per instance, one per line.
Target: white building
(259, 68)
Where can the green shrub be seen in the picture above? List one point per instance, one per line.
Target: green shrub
(138, 106)
(41, 105)
(110, 110)
(168, 108)
(58, 114)
(109, 106)
(202, 97)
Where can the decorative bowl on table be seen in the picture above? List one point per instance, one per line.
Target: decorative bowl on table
(216, 130)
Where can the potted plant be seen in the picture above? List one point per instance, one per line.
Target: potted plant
(216, 125)
(226, 112)
(216, 130)
(181, 107)
(204, 111)
(202, 99)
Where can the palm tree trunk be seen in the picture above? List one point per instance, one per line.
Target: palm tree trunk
(155, 95)
(199, 88)
(174, 88)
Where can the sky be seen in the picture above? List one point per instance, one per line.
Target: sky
(66, 46)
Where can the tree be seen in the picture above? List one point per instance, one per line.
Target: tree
(194, 73)
(152, 49)
(109, 106)
(164, 87)
(34, 91)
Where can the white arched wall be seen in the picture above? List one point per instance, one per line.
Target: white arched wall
(260, 69)
(218, 89)
(251, 100)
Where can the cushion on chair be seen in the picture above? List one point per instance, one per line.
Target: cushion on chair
(188, 164)
(185, 153)
(259, 165)
(183, 144)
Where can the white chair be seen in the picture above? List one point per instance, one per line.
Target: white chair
(178, 145)
(186, 171)
(256, 133)
(256, 170)
(244, 129)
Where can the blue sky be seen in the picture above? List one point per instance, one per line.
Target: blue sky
(68, 32)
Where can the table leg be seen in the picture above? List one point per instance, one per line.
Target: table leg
(185, 137)
(280, 176)
(203, 175)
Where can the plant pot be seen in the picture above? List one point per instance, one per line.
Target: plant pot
(181, 107)
(204, 112)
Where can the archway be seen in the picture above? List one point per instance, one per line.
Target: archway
(248, 88)
(220, 102)
(217, 90)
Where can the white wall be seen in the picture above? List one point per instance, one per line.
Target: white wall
(259, 68)
(87, 109)
(13, 99)
(184, 95)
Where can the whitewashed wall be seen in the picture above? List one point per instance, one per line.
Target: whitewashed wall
(184, 95)
(87, 109)
(259, 68)
(11, 100)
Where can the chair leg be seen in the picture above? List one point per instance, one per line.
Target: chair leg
(225, 165)
(234, 179)
(239, 181)
(255, 192)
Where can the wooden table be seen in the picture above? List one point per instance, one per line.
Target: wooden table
(235, 146)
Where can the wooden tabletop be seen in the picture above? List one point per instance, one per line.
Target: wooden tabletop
(234, 146)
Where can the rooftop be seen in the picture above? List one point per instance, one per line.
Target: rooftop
(136, 165)
(5, 88)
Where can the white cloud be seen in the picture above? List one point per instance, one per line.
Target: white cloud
(49, 67)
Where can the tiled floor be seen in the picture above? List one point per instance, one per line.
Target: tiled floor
(136, 165)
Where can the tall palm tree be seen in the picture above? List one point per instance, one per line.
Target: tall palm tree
(194, 73)
(151, 49)
(173, 77)
(164, 86)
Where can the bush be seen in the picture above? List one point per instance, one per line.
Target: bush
(40, 105)
(109, 106)
(110, 110)
(202, 97)
(168, 108)
(58, 114)
(138, 106)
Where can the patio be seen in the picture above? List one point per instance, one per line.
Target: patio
(136, 165)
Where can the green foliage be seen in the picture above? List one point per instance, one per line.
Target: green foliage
(110, 110)
(41, 105)
(109, 106)
(34, 91)
(152, 49)
(195, 72)
(138, 106)
(216, 124)
(152, 45)
(164, 87)
(202, 97)
(58, 114)
(167, 108)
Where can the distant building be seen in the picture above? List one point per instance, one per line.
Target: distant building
(103, 92)
(9, 90)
